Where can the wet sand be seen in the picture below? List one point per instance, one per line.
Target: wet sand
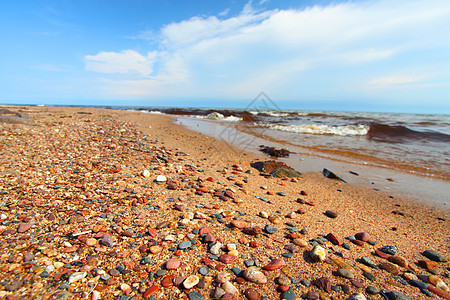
(80, 199)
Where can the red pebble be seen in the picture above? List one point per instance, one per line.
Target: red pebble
(150, 291)
(167, 281)
(382, 254)
(274, 264)
(333, 239)
(204, 230)
(282, 288)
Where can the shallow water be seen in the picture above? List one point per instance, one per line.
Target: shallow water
(420, 188)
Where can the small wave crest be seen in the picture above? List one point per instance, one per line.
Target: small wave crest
(218, 116)
(345, 130)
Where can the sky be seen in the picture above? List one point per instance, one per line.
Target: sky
(378, 55)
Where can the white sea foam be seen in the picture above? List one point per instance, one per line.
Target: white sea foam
(347, 130)
(218, 116)
(274, 113)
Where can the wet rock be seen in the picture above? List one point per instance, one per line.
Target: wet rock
(328, 174)
(272, 151)
(435, 256)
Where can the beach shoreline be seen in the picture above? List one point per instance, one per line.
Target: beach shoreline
(91, 155)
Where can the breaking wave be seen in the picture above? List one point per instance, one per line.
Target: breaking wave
(346, 130)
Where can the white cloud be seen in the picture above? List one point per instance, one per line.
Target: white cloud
(395, 81)
(126, 62)
(255, 50)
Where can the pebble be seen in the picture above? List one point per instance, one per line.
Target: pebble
(252, 274)
(435, 256)
(173, 264)
(203, 271)
(318, 254)
(345, 273)
(333, 239)
(372, 290)
(161, 178)
(428, 264)
(357, 296)
(228, 287)
(190, 282)
(23, 227)
(312, 295)
(331, 214)
(398, 260)
(390, 268)
(195, 296)
(323, 283)
(270, 229)
(288, 295)
(184, 245)
(369, 276)
(275, 264)
(418, 284)
(77, 276)
(107, 241)
(369, 262)
(389, 249)
(252, 294)
(363, 236)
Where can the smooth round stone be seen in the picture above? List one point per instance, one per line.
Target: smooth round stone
(195, 296)
(184, 245)
(287, 255)
(331, 214)
(363, 236)
(252, 274)
(190, 282)
(312, 295)
(252, 294)
(368, 262)
(435, 256)
(249, 262)
(418, 284)
(160, 273)
(274, 264)
(114, 272)
(389, 249)
(283, 280)
(288, 295)
(357, 296)
(173, 264)
(369, 276)
(305, 282)
(203, 271)
(372, 290)
(345, 273)
(270, 229)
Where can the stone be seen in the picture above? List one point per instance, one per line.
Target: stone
(270, 229)
(291, 248)
(434, 256)
(357, 296)
(398, 260)
(190, 282)
(418, 284)
(23, 227)
(393, 295)
(228, 287)
(107, 241)
(318, 254)
(252, 274)
(238, 224)
(161, 178)
(372, 290)
(195, 296)
(286, 173)
(254, 230)
(275, 264)
(275, 219)
(428, 264)
(345, 273)
(14, 285)
(438, 282)
(323, 283)
(390, 268)
(214, 249)
(184, 245)
(331, 214)
(368, 262)
(300, 242)
(333, 239)
(363, 236)
(167, 281)
(173, 264)
(288, 295)
(389, 249)
(74, 277)
(312, 295)
(151, 291)
(227, 259)
(252, 294)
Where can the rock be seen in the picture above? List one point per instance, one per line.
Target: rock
(439, 292)
(363, 236)
(238, 224)
(145, 173)
(357, 296)
(300, 242)
(252, 274)
(274, 264)
(275, 219)
(345, 273)
(318, 254)
(328, 174)
(227, 259)
(372, 290)
(23, 227)
(418, 284)
(14, 285)
(311, 295)
(437, 282)
(428, 264)
(270, 229)
(288, 295)
(107, 241)
(214, 249)
(195, 296)
(184, 245)
(323, 283)
(161, 178)
(389, 249)
(333, 239)
(390, 268)
(286, 173)
(77, 276)
(254, 230)
(190, 282)
(151, 291)
(252, 294)
(228, 287)
(398, 260)
(435, 256)
(331, 214)
(173, 264)
(368, 262)
(264, 214)
(291, 248)
(393, 295)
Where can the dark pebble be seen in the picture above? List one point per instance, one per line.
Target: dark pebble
(433, 255)
(389, 249)
(305, 282)
(288, 295)
(372, 290)
(331, 214)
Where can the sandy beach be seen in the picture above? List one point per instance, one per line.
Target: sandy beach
(108, 204)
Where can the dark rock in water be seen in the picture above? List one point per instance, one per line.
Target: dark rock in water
(433, 255)
(328, 174)
(269, 166)
(272, 151)
(392, 295)
(283, 172)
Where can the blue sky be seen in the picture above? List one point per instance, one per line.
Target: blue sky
(331, 55)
